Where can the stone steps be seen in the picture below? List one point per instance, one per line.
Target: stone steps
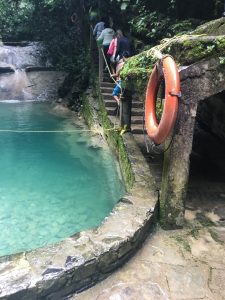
(106, 87)
(105, 84)
(107, 96)
(134, 112)
(112, 103)
(107, 79)
(138, 129)
(137, 120)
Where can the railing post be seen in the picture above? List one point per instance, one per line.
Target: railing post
(125, 110)
(100, 65)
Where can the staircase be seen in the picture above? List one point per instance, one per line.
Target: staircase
(107, 86)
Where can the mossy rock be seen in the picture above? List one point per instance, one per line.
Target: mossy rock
(190, 49)
(136, 72)
(215, 27)
(186, 50)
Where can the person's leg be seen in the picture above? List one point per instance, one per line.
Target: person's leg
(117, 99)
(105, 49)
(116, 93)
(113, 65)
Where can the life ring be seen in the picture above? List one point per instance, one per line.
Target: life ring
(159, 132)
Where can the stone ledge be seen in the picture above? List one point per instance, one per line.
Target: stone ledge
(80, 261)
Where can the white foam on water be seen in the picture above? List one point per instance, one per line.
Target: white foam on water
(21, 101)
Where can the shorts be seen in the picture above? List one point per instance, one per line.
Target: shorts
(117, 89)
(113, 60)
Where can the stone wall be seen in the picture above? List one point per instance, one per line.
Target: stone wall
(211, 114)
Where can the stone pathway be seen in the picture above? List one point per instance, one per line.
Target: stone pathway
(184, 264)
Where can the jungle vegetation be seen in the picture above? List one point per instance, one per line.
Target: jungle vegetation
(146, 20)
(67, 39)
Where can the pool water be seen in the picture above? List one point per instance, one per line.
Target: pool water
(52, 184)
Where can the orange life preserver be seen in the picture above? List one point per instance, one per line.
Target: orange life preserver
(159, 132)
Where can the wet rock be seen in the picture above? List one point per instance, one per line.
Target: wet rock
(15, 44)
(125, 200)
(74, 261)
(6, 68)
(35, 69)
(23, 56)
(52, 272)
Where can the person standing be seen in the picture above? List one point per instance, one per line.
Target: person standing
(98, 29)
(112, 52)
(106, 37)
(123, 44)
(117, 90)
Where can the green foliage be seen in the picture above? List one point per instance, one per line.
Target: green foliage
(14, 18)
(154, 26)
(190, 49)
(222, 60)
(136, 72)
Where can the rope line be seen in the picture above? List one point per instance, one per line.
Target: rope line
(56, 131)
(157, 50)
(108, 66)
(117, 110)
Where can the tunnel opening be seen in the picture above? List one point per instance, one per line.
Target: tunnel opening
(206, 189)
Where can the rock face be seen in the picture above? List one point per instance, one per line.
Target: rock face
(215, 27)
(21, 56)
(36, 86)
(44, 85)
(26, 74)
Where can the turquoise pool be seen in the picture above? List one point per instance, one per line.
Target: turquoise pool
(52, 184)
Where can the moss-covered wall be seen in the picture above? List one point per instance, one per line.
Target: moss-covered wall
(116, 141)
(215, 27)
(112, 135)
(186, 50)
(87, 111)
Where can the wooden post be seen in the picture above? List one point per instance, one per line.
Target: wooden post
(125, 110)
(176, 170)
(100, 65)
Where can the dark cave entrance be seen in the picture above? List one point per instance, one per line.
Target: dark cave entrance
(206, 189)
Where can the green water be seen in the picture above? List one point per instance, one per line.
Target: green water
(52, 185)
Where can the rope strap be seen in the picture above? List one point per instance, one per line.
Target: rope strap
(57, 131)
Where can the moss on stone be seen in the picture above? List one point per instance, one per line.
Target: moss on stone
(182, 240)
(87, 111)
(115, 140)
(136, 72)
(215, 27)
(190, 49)
(186, 50)
(112, 135)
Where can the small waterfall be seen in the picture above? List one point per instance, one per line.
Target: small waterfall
(18, 85)
(13, 86)
(22, 57)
